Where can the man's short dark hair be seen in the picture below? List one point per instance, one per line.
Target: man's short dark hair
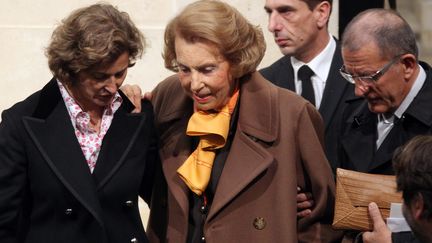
(313, 3)
(386, 28)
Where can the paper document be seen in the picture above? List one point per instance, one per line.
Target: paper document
(396, 222)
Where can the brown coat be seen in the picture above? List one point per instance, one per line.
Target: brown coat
(277, 146)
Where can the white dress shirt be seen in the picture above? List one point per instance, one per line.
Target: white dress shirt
(320, 65)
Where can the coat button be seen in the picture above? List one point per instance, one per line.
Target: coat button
(259, 223)
(69, 211)
(129, 204)
(134, 240)
(203, 239)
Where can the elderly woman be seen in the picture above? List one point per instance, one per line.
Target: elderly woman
(73, 160)
(234, 147)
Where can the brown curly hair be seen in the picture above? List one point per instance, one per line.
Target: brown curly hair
(241, 43)
(91, 37)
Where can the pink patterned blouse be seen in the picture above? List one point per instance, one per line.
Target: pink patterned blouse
(89, 140)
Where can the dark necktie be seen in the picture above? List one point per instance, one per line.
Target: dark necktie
(304, 74)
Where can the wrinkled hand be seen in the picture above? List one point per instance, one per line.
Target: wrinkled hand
(134, 94)
(305, 203)
(380, 233)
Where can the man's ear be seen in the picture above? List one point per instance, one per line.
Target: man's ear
(322, 14)
(417, 206)
(409, 62)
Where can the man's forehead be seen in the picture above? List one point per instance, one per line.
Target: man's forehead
(278, 3)
(361, 46)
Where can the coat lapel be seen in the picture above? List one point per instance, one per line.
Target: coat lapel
(246, 161)
(360, 139)
(180, 147)
(175, 184)
(285, 77)
(117, 142)
(248, 158)
(52, 132)
(384, 154)
(335, 87)
(175, 145)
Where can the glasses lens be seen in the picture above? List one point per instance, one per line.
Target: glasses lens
(367, 79)
(350, 79)
(346, 75)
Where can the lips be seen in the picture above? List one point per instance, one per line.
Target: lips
(374, 100)
(105, 98)
(281, 42)
(201, 98)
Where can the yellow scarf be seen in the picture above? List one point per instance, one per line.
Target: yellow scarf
(212, 128)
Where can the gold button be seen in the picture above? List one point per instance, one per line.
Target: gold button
(259, 223)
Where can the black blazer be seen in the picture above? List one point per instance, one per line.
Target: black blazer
(358, 141)
(336, 91)
(47, 193)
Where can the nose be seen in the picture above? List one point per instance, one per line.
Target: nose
(274, 24)
(361, 88)
(196, 82)
(112, 84)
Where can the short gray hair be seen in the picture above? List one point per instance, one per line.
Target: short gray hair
(386, 28)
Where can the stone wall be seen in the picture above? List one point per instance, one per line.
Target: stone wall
(26, 26)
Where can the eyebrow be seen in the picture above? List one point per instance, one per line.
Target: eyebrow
(267, 9)
(104, 73)
(97, 74)
(199, 67)
(363, 73)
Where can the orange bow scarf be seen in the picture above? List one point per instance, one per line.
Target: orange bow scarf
(212, 128)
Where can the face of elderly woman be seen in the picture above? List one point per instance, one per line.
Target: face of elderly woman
(204, 74)
(96, 89)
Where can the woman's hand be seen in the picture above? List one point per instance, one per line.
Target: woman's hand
(134, 94)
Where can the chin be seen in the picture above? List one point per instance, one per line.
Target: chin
(102, 103)
(203, 107)
(379, 108)
(206, 107)
(287, 51)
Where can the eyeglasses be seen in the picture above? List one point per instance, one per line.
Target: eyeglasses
(369, 79)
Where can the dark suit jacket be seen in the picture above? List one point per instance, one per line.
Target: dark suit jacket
(336, 91)
(277, 145)
(47, 193)
(359, 134)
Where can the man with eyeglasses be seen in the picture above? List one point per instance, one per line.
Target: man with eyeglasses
(394, 89)
(394, 92)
